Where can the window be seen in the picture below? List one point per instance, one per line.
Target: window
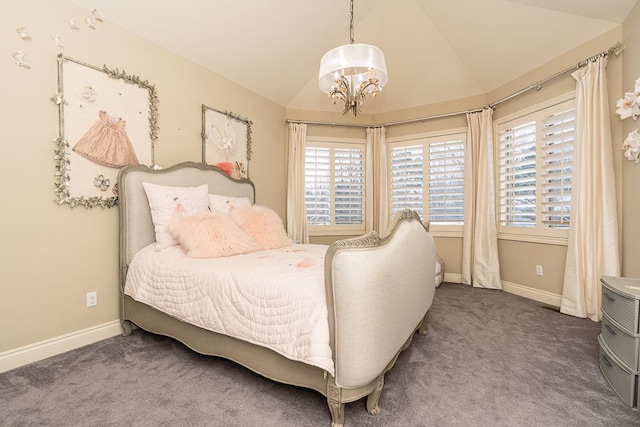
(427, 175)
(334, 187)
(535, 172)
(407, 177)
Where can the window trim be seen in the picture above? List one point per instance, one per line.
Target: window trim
(336, 229)
(437, 230)
(538, 234)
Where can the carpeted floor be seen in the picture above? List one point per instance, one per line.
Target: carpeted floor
(490, 359)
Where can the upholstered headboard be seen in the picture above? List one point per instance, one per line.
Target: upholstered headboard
(136, 227)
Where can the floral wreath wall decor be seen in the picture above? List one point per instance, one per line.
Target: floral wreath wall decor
(629, 106)
(107, 120)
(226, 141)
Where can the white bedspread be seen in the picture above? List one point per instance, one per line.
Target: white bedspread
(273, 298)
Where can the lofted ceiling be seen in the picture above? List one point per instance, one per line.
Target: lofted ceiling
(436, 50)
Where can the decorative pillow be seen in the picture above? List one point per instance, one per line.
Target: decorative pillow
(209, 235)
(439, 270)
(263, 225)
(168, 203)
(224, 204)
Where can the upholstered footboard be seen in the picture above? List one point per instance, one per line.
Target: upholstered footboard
(379, 290)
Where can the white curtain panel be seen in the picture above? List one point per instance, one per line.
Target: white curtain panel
(593, 247)
(480, 263)
(296, 210)
(376, 181)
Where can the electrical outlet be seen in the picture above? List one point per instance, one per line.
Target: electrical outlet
(92, 299)
(539, 270)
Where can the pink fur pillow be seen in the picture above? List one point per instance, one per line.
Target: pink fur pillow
(210, 235)
(263, 225)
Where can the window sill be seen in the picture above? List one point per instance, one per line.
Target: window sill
(335, 232)
(444, 233)
(546, 240)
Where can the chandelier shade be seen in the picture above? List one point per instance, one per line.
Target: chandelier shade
(351, 72)
(358, 61)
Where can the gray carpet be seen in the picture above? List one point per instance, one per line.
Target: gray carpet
(490, 359)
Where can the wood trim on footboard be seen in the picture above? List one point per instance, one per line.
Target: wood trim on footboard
(258, 359)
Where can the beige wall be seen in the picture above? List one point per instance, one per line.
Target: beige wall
(51, 256)
(518, 261)
(630, 170)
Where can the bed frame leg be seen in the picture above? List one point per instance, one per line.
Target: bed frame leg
(374, 397)
(336, 406)
(422, 330)
(126, 328)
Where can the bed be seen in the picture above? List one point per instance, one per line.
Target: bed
(368, 296)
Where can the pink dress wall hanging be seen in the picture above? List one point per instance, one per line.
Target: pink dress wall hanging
(107, 143)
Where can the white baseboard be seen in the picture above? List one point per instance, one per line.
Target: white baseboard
(452, 277)
(531, 293)
(41, 350)
(514, 288)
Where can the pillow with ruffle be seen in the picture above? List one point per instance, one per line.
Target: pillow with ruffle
(167, 203)
(224, 204)
(210, 235)
(263, 225)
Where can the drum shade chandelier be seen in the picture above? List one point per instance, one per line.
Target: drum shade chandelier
(352, 72)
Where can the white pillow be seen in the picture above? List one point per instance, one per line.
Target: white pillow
(167, 203)
(224, 204)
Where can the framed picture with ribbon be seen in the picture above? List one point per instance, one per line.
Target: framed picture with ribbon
(226, 141)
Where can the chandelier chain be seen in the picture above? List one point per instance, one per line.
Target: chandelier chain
(351, 33)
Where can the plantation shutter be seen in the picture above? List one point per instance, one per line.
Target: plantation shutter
(317, 185)
(349, 186)
(518, 176)
(558, 136)
(334, 186)
(407, 179)
(446, 182)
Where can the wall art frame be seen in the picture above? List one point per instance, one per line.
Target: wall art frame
(226, 141)
(107, 119)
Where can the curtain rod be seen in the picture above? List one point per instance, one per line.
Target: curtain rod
(330, 124)
(437, 116)
(615, 49)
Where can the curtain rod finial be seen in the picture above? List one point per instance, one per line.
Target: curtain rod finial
(617, 48)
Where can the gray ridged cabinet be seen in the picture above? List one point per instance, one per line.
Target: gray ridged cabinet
(620, 337)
